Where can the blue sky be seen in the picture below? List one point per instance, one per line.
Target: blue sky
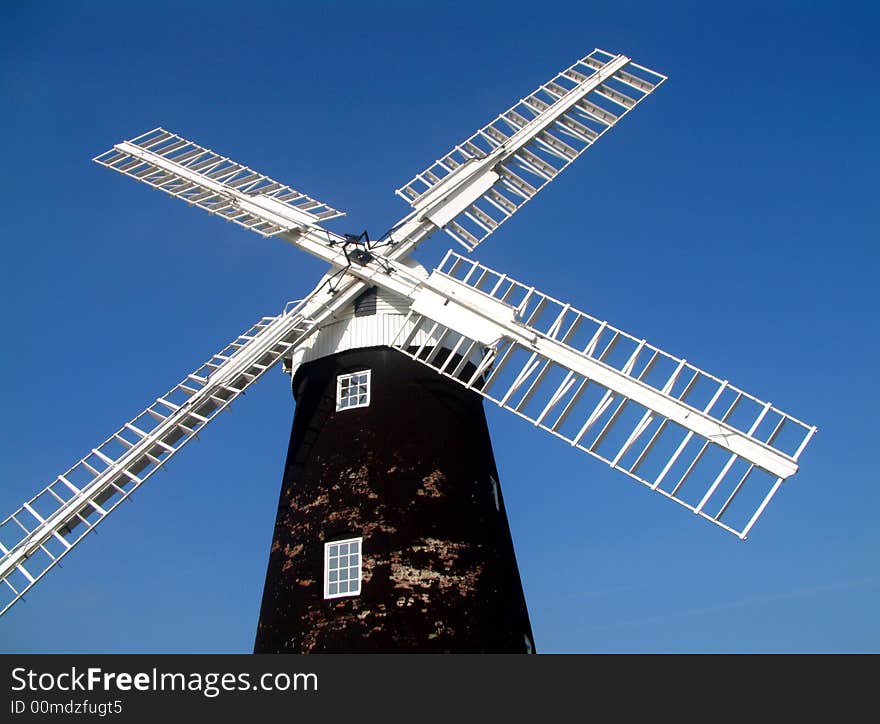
(731, 219)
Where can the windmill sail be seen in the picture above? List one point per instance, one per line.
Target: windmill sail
(215, 183)
(483, 181)
(49, 525)
(683, 432)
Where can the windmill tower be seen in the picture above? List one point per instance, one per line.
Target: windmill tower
(391, 532)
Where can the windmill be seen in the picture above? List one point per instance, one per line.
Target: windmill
(391, 532)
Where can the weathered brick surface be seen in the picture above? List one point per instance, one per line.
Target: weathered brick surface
(411, 474)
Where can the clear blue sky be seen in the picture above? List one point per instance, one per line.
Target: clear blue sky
(731, 219)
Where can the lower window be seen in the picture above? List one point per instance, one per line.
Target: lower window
(342, 568)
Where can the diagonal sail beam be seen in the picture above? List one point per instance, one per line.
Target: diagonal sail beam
(475, 314)
(47, 527)
(220, 186)
(679, 430)
(483, 181)
(214, 183)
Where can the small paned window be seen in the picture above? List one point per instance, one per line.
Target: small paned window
(353, 390)
(342, 568)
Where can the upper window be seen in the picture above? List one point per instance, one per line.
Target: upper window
(353, 390)
(342, 568)
(365, 304)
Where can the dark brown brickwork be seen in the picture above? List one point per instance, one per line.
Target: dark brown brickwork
(412, 474)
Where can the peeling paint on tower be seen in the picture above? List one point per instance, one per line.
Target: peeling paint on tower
(410, 474)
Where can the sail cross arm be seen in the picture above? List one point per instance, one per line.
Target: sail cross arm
(527, 146)
(49, 525)
(215, 183)
(688, 435)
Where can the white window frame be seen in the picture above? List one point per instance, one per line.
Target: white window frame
(349, 568)
(348, 376)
